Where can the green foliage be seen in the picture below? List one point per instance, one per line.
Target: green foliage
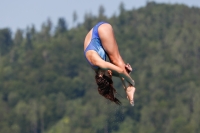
(46, 85)
(5, 41)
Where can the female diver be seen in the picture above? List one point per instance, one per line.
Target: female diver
(99, 42)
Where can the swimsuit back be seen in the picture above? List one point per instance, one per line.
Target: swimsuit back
(95, 44)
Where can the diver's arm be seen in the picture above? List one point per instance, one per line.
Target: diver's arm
(96, 60)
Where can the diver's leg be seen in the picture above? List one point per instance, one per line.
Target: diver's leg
(109, 43)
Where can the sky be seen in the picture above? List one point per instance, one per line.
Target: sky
(19, 14)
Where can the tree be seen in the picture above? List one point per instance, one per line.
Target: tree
(28, 43)
(75, 17)
(101, 11)
(88, 18)
(18, 37)
(121, 8)
(5, 41)
(61, 26)
(46, 30)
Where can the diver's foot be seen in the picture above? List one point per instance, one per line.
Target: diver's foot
(130, 94)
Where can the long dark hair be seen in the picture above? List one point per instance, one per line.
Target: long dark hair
(105, 87)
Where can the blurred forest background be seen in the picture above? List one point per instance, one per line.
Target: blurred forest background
(46, 85)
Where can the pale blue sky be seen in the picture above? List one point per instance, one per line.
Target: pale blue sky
(18, 14)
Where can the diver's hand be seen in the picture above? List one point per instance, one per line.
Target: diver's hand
(128, 68)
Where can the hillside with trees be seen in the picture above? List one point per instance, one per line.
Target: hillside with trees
(46, 85)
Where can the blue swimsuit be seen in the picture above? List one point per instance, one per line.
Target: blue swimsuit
(95, 44)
